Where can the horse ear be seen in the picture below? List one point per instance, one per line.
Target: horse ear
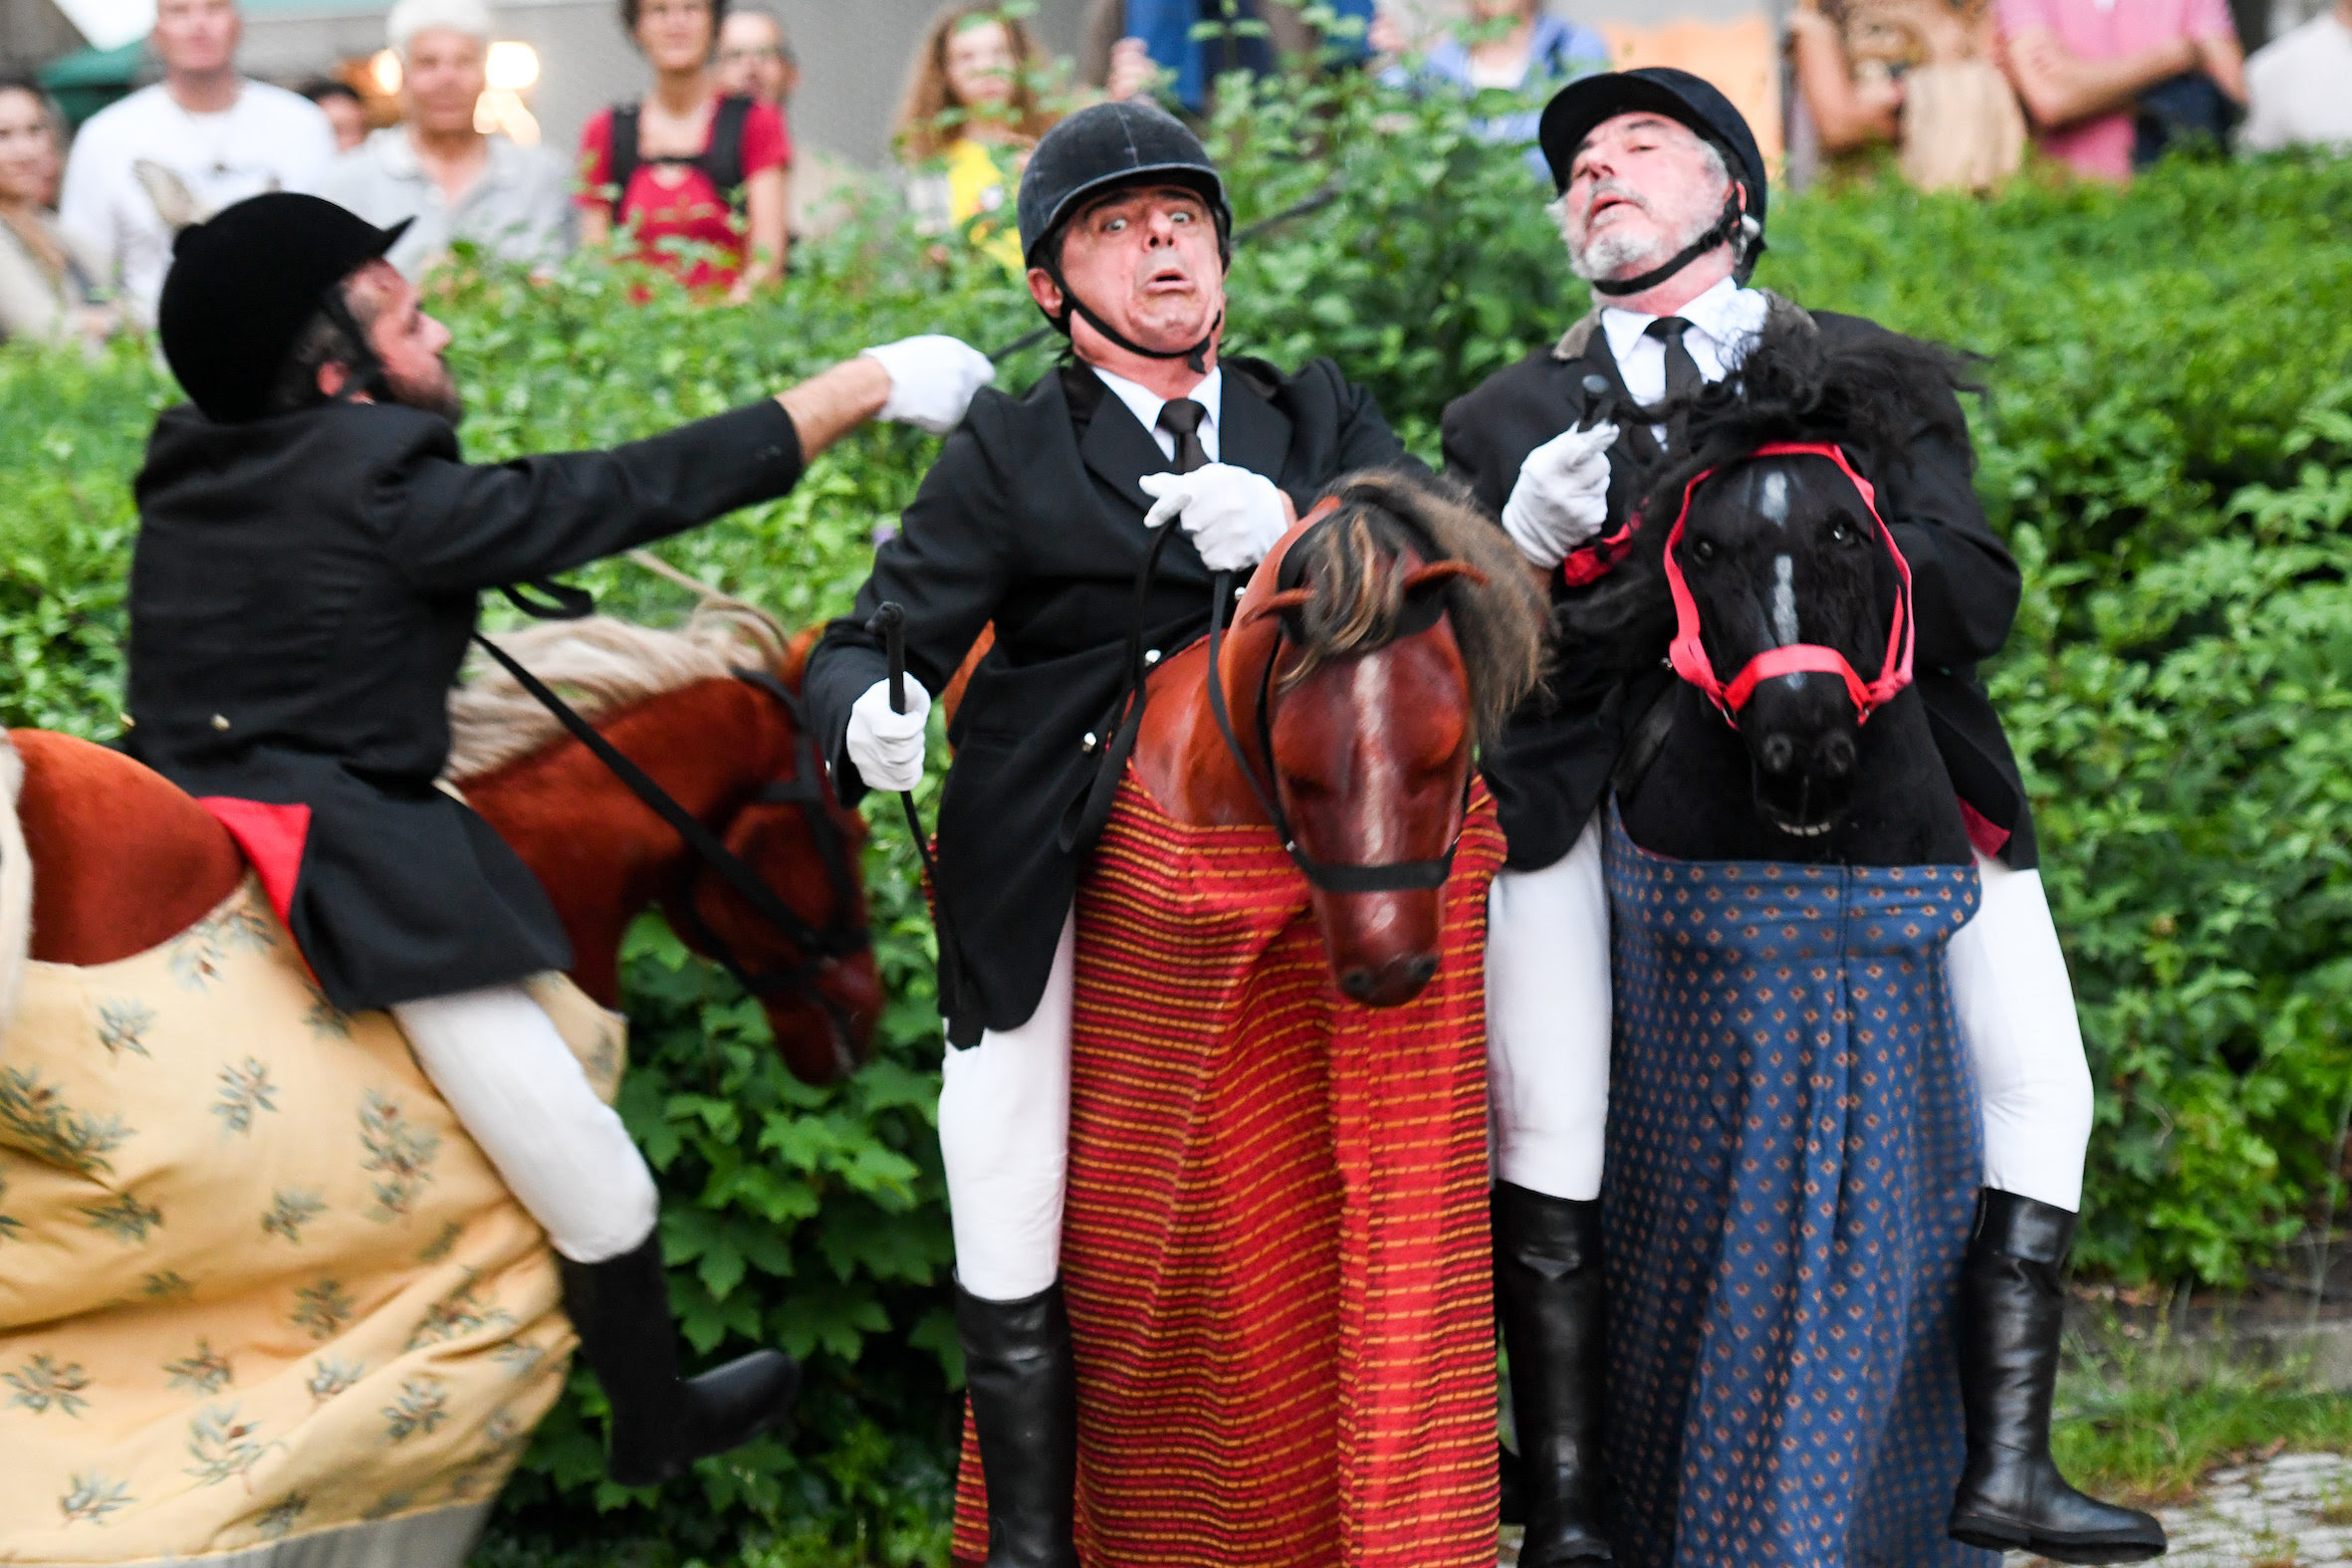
(1439, 571)
(1278, 603)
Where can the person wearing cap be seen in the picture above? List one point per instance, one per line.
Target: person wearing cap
(303, 587)
(438, 170)
(1037, 518)
(1662, 205)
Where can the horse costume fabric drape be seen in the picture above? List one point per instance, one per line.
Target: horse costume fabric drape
(1275, 1248)
(256, 1284)
(1794, 1162)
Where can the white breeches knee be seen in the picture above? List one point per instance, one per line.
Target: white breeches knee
(1547, 1021)
(519, 1091)
(2015, 1008)
(1004, 1137)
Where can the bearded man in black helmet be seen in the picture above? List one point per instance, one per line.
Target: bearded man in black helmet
(1036, 517)
(302, 591)
(1662, 205)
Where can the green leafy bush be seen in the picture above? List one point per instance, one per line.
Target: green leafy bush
(2167, 442)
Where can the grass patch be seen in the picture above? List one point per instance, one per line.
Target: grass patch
(2145, 1421)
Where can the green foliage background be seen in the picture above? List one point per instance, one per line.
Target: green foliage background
(2167, 442)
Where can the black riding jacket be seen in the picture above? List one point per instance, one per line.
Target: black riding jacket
(1032, 519)
(302, 593)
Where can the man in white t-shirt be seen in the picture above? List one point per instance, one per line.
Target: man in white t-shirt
(178, 151)
(2300, 87)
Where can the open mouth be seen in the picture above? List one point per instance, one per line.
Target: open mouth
(1605, 207)
(1802, 830)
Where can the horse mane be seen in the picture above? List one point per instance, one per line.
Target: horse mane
(1356, 593)
(1875, 397)
(600, 666)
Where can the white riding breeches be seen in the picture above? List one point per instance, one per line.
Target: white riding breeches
(1549, 1025)
(1004, 1138)
(516, 1087)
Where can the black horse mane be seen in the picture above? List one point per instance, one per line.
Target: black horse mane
(1874, 398)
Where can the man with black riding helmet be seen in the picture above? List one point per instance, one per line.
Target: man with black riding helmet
(1662, 205)
(1037, 518)
(303, 587)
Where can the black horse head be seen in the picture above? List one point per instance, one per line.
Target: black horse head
(1785, 551)
(1777, 550)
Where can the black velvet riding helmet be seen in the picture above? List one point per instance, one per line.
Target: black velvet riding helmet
(1575, 110)
(244, 285)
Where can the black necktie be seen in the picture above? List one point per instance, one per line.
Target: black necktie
(1181, 417)
(1682, 371)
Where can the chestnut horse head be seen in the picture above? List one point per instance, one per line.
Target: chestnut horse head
(1380, 642)
(713, 715)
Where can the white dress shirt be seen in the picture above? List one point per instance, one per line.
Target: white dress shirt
(1725, 322)
(1147, 404)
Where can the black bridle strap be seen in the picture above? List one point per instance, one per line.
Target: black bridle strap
(821, 949)
(1394, 876)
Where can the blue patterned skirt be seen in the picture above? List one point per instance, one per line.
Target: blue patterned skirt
(1792, 1168)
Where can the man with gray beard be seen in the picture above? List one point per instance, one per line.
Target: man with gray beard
(1662, 205)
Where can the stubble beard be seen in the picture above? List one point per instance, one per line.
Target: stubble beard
(1614, 251)
(440, 395)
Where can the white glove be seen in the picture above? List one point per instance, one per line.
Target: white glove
(933, 379)
(889, 747)
(1234, 515)
(1561, 498)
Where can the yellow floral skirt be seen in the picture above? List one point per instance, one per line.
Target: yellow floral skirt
(256, 1283)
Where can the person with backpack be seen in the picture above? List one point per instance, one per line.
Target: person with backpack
(698, 176)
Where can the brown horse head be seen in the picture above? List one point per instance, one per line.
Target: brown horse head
(1388, 635)
(736, 754)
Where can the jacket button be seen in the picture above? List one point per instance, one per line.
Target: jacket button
(1089, 743)
(220, 721)
(1151, 656)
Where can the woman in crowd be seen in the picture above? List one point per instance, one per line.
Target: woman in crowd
(1514, 45)
(1922, 74)
(970, 115)
(439, 169)
(685, 163)
(46, 288)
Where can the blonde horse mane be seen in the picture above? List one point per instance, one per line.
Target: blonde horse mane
(600, 666)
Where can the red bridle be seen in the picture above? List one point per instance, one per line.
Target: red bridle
(1689, 657)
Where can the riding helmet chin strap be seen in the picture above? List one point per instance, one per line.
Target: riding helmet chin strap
(1196, 359)
(1725, 232)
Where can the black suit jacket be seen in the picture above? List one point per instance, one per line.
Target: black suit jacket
(302, 593)
(1553, 766)
(1032, 519)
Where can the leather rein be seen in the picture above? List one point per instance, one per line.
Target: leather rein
(820, 948)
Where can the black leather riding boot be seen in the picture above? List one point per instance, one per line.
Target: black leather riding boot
(1548, 1287)
(2011, 1298)
(1025, 1410)
(662, 1422)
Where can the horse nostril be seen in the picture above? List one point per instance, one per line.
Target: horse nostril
(1778, 753)
(1837, 755)
(1357, 983)
(1422, 968)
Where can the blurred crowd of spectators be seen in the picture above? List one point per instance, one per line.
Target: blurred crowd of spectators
(695, 174)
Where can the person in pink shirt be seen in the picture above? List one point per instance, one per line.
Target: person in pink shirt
(2082, 66)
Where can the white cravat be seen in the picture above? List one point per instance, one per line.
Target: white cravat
(1147, 404)
(1725, 322)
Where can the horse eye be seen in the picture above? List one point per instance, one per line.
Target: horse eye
(1841, 532)
(1703, 551)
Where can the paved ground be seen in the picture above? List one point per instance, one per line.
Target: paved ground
(2294, 1511)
